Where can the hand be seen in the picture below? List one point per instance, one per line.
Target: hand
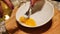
(9, 3)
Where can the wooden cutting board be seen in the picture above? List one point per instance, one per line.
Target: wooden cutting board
(52, 27)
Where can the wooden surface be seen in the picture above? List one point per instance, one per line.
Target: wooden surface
(52, 27)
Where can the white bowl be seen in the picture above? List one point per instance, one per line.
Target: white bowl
(40, 17)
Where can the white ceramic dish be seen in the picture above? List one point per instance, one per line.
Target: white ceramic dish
(40, 17)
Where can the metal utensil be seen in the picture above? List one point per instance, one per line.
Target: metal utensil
(29, 10)
(36, 7)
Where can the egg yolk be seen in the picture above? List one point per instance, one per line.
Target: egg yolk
(29, 22)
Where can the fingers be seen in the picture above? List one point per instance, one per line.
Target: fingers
(33, 2)
(9, 3)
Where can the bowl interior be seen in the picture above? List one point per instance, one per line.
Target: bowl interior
(40, 17)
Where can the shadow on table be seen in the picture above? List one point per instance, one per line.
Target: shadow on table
(37, 30)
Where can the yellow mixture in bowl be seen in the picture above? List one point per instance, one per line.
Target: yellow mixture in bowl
(29, 22)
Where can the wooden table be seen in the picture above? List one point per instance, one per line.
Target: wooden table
(52, 27)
